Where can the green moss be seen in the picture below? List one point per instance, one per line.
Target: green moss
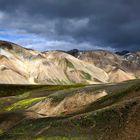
(25, 95)
(1, 131)
(14, 90)
(40, 138)
(23, 104)
(62, 87)
(69, 64)
(85, 75)
(52, 138)
(24, 90)
(61, 138)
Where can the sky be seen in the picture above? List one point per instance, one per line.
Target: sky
(71, 24)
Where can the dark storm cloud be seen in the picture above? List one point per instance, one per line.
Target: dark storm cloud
(104, 23)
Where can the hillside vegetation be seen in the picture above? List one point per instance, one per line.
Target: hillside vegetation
(80, 112)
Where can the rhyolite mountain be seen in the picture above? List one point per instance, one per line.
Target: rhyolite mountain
(19, 65)
(124, 66)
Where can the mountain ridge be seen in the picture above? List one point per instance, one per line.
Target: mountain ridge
(19, 65)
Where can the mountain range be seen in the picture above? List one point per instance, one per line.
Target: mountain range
(19, 65)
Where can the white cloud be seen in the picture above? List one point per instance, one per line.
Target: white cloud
(41, 43)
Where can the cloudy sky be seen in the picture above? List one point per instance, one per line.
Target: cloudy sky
(69, 24)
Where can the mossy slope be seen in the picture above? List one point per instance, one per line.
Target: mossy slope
(115, 116)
